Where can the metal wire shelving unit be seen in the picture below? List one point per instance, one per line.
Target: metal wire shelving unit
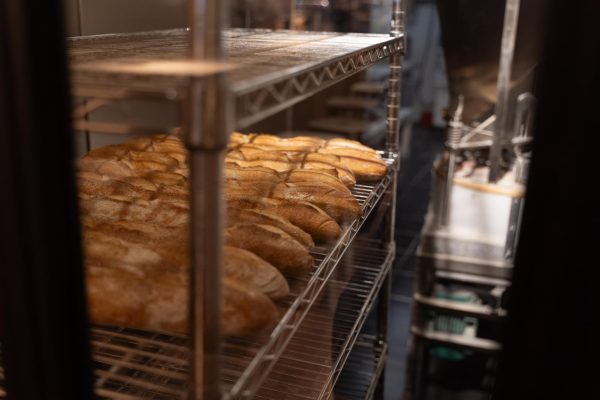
(263, 73)
(136, 364)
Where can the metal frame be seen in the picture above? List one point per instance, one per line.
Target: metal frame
(197, 80)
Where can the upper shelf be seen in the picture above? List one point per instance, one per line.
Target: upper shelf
(268, 70)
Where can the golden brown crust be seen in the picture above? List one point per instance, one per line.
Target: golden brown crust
(306, 216)
(273, 245)
(249, 216)
(249, 269)
(127, 298)
(341, 206)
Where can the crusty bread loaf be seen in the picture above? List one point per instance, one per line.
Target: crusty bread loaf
(306, 216)
(256, 173)
(249, 216)
(338, 204)
(121, 209)
(347, 143)
(369, 168)
(273, 245)
(246, 267)
(327, 177)
(342, 207)
(128, 297)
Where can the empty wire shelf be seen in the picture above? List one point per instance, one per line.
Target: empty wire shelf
(363, 370)
(268, 70)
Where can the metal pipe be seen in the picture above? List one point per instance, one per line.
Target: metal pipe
(393, 98)
(509, 34)
(206, 139)
(455, 133)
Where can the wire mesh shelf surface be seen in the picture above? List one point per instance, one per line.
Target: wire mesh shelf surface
(364, 367)
(267, 70)
(312, 362)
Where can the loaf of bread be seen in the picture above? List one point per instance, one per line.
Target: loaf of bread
(129, 297)
(116, 208)
(351, 155)
(306, 216)
(157, 249)
(243, 266)
(250, 216)
(149, 264)
(273, 245)
(341, 206)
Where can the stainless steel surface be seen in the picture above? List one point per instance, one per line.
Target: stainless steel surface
(470, 343)
(455, 134)
(466, 265)
(271, 69)
(453, 307)
(514, 227)
(502, 132)
(471, 37)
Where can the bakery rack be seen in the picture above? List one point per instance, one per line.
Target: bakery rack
(262, 73)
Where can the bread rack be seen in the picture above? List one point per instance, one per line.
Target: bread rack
(262, 73)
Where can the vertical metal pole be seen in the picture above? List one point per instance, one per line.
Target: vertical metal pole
(509, 34)
(392, 145)
(206, 140)
(393, 99)
(455, 130)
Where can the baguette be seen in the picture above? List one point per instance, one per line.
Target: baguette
(247, 268)
(117, 208)
(258, 173)
(342, 207)
(325, 176)
(273, 245)
(348, 143)
(158, 250)
(365, 169)
(160, 302)
(239, 215)
(306, 216)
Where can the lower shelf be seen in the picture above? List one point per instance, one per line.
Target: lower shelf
(133, 364)
(363, 370)
(315, 357)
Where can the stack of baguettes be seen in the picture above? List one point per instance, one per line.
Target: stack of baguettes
(281, 195)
